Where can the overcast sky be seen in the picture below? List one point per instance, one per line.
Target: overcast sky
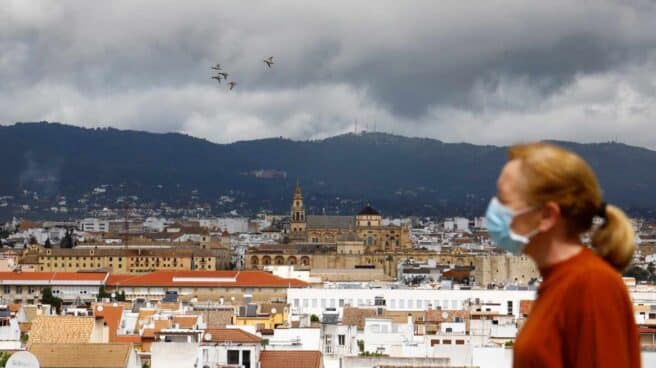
(476, 71)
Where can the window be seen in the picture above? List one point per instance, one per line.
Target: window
(246, 358)
(435, 342)
(233, 356)
(446, 342)
(460, 342)
(341, 340)
(30, 290)
(19, 289)
(7, 289)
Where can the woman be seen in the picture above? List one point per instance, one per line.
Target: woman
(583, 317)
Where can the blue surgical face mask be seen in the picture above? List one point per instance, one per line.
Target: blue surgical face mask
(498, 219)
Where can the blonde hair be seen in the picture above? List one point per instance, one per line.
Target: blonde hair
(555, 174)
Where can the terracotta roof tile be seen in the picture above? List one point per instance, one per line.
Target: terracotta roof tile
(61, 329)
(217, 318)
(111, 315)
(444, 315)
(356, 316)
(229, 335)
(205, 278)
(290, 359)
(82, 355)
(188, 322)
(53, 276)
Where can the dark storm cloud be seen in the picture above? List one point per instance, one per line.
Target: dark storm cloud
(449, 69)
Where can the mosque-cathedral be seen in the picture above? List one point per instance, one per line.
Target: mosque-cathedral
(340, 242)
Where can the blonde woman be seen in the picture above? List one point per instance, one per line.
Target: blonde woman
(546, 199)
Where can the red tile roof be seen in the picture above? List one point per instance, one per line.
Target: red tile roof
(233, 335)
(186, 321)
(204, 278)
(290, 359)
(111, 315)
(53, 276)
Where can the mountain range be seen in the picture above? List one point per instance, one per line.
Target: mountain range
(399, 175)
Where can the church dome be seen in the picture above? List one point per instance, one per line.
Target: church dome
(368, 211)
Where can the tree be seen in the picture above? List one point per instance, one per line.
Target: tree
(638, 273)
(102, 293)
(48, 245)
(361, 345)
(67, 241)
(314, 318)
(4, 357)
(120, 296)
(48, 298)
(651, 268)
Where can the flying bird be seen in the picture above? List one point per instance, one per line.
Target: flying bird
(217, 77)
(269, 61)
(225, 75)
(217, 67)
(232, 85)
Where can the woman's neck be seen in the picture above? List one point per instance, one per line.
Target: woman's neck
(553, 251)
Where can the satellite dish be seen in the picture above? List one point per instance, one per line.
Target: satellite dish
(208, 337)
(22, 359)
(274, 311)
(445, 315)
(100, 308)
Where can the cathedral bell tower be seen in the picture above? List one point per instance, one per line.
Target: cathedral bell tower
(297, 220)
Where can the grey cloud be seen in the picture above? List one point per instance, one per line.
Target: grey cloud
(423, 67)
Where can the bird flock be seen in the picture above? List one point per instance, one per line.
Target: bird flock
(221, 75)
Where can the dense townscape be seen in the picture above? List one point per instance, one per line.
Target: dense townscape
(295, 290)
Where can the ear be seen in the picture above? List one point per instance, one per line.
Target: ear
(550, 216)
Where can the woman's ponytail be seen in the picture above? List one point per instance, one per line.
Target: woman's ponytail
(614, 240)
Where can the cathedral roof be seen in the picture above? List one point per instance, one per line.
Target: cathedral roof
(330, 222)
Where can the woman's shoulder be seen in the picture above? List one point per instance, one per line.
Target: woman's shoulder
(593, 273)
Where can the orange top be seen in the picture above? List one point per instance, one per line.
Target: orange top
(582, 317)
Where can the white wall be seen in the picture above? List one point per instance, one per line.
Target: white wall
(313, 300)
(173, 355)
(286, 338)
(487, 357)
